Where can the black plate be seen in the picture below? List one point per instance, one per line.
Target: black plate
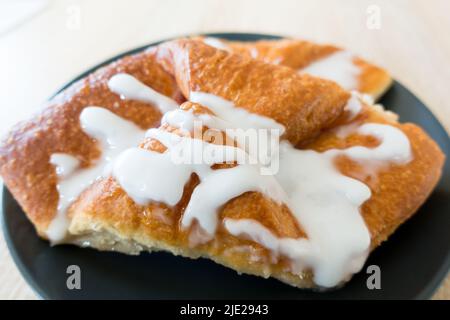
(413, 262)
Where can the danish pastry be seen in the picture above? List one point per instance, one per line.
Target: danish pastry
(330, 178)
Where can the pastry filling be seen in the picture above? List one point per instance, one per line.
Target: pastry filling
(325, 202)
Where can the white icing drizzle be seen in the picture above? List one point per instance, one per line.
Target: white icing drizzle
(339, 67)
(151, 176)
(395, 146)
(186, 120)
(237, 122)
(184, 150)
(325, 202)
(114, 135)
(128, 87)
(234, 116)
(254, 53)
(215, 42)
(65, 164)
(262, 146)
(353, 106)
(227, 184)
(343, 131)
(182, 119)
(148, 175)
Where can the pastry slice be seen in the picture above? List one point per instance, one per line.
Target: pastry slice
(326, 61)
(55, 138)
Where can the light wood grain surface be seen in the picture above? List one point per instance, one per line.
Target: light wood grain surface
(64, 38)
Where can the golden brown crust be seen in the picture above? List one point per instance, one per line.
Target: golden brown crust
(295, 54)
(303, 104)
(373, 80)
(298, 54)
(25, 152)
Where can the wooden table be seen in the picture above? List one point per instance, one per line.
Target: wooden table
(64, 38)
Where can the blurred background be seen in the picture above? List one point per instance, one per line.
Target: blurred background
(45, 43)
